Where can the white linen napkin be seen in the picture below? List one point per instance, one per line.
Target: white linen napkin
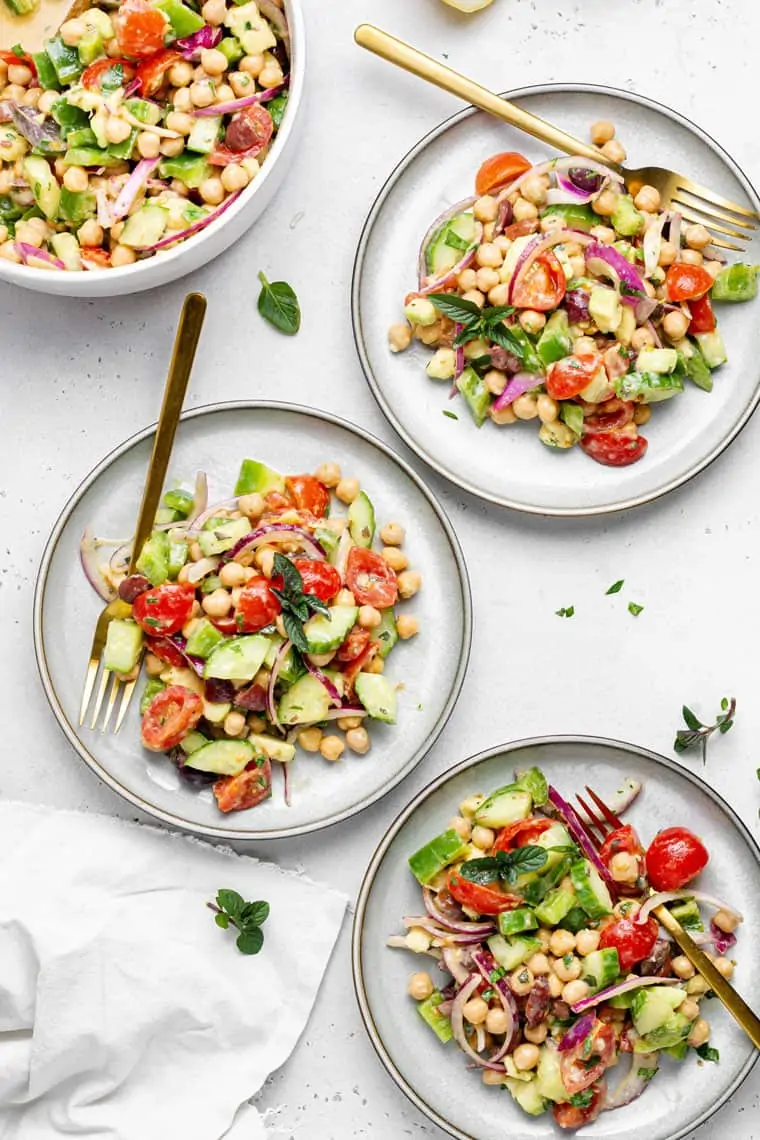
(125, 1012)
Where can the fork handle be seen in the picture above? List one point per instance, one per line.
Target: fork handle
(185, 345)
(421, 65)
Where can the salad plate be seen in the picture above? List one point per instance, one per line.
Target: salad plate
(437, 1077)
(428, 668)
(501, 464)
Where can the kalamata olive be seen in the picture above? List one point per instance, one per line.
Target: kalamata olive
(658, 962)
(537, 1005)
(131, 588)
(504, 360)
(505, 215)
(576, 303)
(587, 180)
(254, 698)
(241, 134)
(219, 692)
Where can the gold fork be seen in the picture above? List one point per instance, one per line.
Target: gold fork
(185, 344)
(694, 202)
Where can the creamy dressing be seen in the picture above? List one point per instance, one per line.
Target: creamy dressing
(32, 30)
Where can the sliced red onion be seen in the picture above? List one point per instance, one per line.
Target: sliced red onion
(447, 215)
(327, 684)
(574, 197)
(459, 354)
(341, 555)
(192, 46)
(236, 105)
(197, 571)
(581, 837)
(457, 1024)
(576, 163)
(488, 966)
(132, 187)
(631, 983)
(577, 1033)
(645, 307)
(426, 923)
(197, 664)
(723, 939)
(637, 1079)
(433, 909)
(92, 572)
(274, 532)
(674, 230)
(672, 896)
(516, 386)
(38, 130)
(345, 710)
(208, 512)
(601, 258)
(200, 498)
(279, 661)
(539, 245)
(29, 252)
(655, 334)
(451, 276)
(182, 235)
(452, 957)
(652, 243)
(286, 784)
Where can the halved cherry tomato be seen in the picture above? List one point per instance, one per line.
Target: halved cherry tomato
(166, 651)
(254, 784)
(308, 494)
(612, 415)
(93, 75)
(521, 833)
(500, 169)
(257, 606)
(568, 377)
(169, 717)
(140, 28)
(226, 625)
(675, 857)
(96, 256)
(370, 578)
(12, 60)
(584, 1064)
(259, 127)
(702, 315)
(319, 578)
(623, 839)
(614, 448)
(354, 645)
(276, 501)
(164, 609)
(521, 229)
(484, 900)
(575, 1116)
(632, 941)
(151, 73)
(354, 668)
(686, 282)
(542, 287)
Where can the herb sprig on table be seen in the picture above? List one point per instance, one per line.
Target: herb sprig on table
(278, 304)
(231, 909)
(698, 733)
(296, 605)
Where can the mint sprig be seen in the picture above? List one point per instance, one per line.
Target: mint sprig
(296, 605)
(231, 909)
(698, 733)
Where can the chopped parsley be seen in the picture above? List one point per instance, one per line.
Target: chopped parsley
(616, 587)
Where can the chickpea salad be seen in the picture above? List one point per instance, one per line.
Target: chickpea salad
(549, 964)
(555, 295)
(136, 127)
(263, 622)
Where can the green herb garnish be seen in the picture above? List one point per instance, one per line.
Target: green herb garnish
(616, 587)
(566, 611)
(708, 1053)
(582, 1099)
(450, 415)
(479, 324)
(296, 605)
(504, 865)
(698, 733)
(634, 609)
(231, 909)
(645, 1074)
(278, 304)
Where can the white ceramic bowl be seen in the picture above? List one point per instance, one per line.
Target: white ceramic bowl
(203, 247)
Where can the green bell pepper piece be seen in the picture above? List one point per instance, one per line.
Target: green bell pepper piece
(76, 206)
(69, 118)
(276, 108)
(184, 21)
(736, 283)
(90, 156)
(46, 73)
(428, 1011)
(123, 150)
(179, 501)
(65, 60)
(84, 137)
(230, 47)
(192, 169)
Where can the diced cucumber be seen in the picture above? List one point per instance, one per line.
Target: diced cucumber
(736, 282)
(555, 836)
(476, 394)
(23, 7)
(553, 908)
(204, 135)
(215, 711)
(44, 184)
(82, 137)
(653, 1006)
(695, 367)
(238, 658)
(66, 246)
(605, 309)
(626, 219)
(305, 702)
(124, 642)
(46, 75)
(142, 109)
(549, 1075)
(378, 696)
(94, 156)
(574, 215)
(428, 1011)
(145, 227)
(527, 1094)
(192, 742)
(622, 1001)
(90, 46)
(256, 477)
(124, 149)
(361, 520)
(575, 920)
(449, 243)
(511, 954)
(679, 1051)
(154, 558)
(661, 360)
(671, 1033)
(178, 555)
(210, 583)
(592, 893)
(226, 757)
(385, 634)
(76, 206)
(554, 342)
(275, 749)
(192, 169)
(153, 687)
(600, 968)
(431, 859)
(506, 805)
(687, 913)
(517, 921)
(713, 348)
(292, 667)
(648, 387)
(218, 536)
(204, 639)
(324, 634)
(65, 60)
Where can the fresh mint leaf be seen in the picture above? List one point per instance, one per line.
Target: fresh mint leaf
(317, 605)
(708, 1053)
(278, 304)
(581, 1099)
(455, 308)
(699, 733)
(690, 719)
(231, 909)
(294, 630)
(222, 920)
(646, 1074)
(256, 913)
(450, 415)
(616, 587)
(230, 901)
(250, 941)
(480, 871)
(292, 582)
(565, 611)
(634, 609)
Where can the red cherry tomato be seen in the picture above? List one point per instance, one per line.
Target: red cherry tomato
(623, 839)
(164, 609)
(166, 651)
(151, 73)
(261, 129)
(169, 717)
(500, 169)
(370, 578)
(568, 377)
(93, 75)
(319, 578)
(702, 315)
(675, 857)
(542, 287)
(140, 28)
(308, 494)
(613, 448)
(686, 282)
(353, 668)
(354, 645)
(226, 625)
(520, 834)
(277, 502)
(611, 416)
(484, 900)
(257, 606)
(97, 256)
(578, 1066)
(254, 784)
(575, 1116)
(632, 941)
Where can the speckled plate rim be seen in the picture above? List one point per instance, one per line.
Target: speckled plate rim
(169, 817)
(365, 892)
(376, 388)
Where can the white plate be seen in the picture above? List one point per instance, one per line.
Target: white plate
(431, 666)
(508, 465)
(435, 1077)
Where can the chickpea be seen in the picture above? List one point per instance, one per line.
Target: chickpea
(467, 279)
(252, 65)
(154, 666)
(347, 490)
(328, 474)
(30, 234)
(492, 1077)
(699, 1034)
(392, 534)
(181, 74)
(647, 199)
(712, 267)
(504, 416)
(218, 603)
(395, 558)
(271, 75)
(214, 12)
(232, 574)
(551, 222)
(486, 279)
(498, 295)
(71, 32)
(624, 868)
(642, 338)
(504, 243)
(689, 1008)
(234, 723)
(526, 1056)
(605, 203)
(604, 234)
(561, 942)
(223, 93)
(536, 1034)
(475, 1011)
(575, 991)
(420, 986)
(462, 827)
(369, 617)
(682, 967)
(568, 968)
(90, 233)
(532, 321)
(697, 985)
(122, 255)
(587, 941)
(376, 665)
(409, 582)
(539, 964)
(475, 296)
(525, 407)
(181, 99)
(726, 921)
(170, 148)
(180, 121)
(483, 837)
(486, 209)
(614, 151)
(264, 559)
(584, 345)
(211, 191)
(345, 598)
(691, 257)
(675, 325)
(697, 236)
(534, 189)
(555, 986)
(724, 966)
(418, 940)
(495, 381)
(117, 130)
(468, 807)
(252, 506)
(332, 748)
(524, 211)
(3, 233)
(201, 93)
(521, 981)
(497, 1022)
(213, 62)
(548, 409)
(32, 97)
(602, 131)
(310, 739)
(148, 144)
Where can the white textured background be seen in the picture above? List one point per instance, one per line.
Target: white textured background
(77, 377)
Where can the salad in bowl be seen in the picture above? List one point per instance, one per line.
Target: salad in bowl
(548, 967)
(554, 294)
(264, 622)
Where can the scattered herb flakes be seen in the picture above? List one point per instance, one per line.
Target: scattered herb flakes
(634, 608)
(231, 909)
(698, 733)
(708, 1053)
(450, 415)
(565, 612)
(278, 304)
(616, 587)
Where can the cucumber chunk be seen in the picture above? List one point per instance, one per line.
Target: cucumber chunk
(378, 696)
(192, 742)
(504, 806)
(226, 757)
(527, 1094)
(592, 893)
(600, 968)
(124, 642)
(44, 184)
(428, 1011)
(431, 859)
(385, 634)
(256, 477)
(238, 658)
(324, 634)
(517, 921)
(476, 395)
(511, 954)
(152, 688)
(204, 135)
(305, 702)
(361, 520)
(274, 749)
(67, 248)
(222, 535)
(145, 227)
(558, 903)
(204, 639)
(449, 243)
